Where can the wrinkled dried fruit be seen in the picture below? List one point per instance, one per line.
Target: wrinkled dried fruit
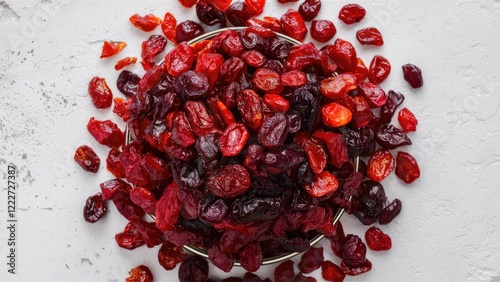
(338, 86)
(113, 163)
(407, 167)
(229, 181)
(353, 250)
(335, 115)
(377, 240)
(379, 69)
(407, 120)
(370, 36)
(110, 48)
(146, 23)
(323, 184)
(210, 15)
(356, 270)
(188, 30)
(311, 260)
(309, 9)
(127, 83)
(352, 13)
(293, 25)
(332, 272)
(322, 30)
(140, 274)
(390, 137)
(238, 13)
(188, 3)
(284, 272)
(100, 93)
(125, 62)
(413, 75)
(193, 269)
(87, 158)
(106, 132)
(168, 27)
(168, 208)
(255, 7)
(94, 209)
(169, 255)
(373, 94)
(380, 165)
(344, 55)
(390, 212)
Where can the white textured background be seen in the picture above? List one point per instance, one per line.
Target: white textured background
(449, 229)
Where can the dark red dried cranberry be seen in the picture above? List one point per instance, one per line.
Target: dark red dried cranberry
(311, 260)
(210, 15)
(237, 14)
(309, 9)
(293, 25)
(413, 75)
(353, 250)
(332, 272)
(407, 167)
(127, 83)
(284, 272)
(100, 93)
(188, 30)
(370, 36)
(356, 270)
(379, 69)
(106, 132)
(169, 255)
(377, 240)
(193, 269)
(87, 159)
(94, 209)
(390, 212)
(322, 30)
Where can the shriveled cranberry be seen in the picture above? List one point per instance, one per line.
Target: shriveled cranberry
(188, 30)
(352, 13)
(335, 145)
(188, 3)
(332, 272)
(210, 15)
(222, 260)
(361, 71)
(127, 83)
(193, 269)
(144, 199)
(238, 13)
(293, 25)
(228, 181)
(357, 269)
(373, 94)
(273, 131)
(271, 23)
(113, 163)
(152, 47)
(338, 86)
(335, 115)
(130, 238)
(267, 81)
(106, 132)
(168, 27)
(253, 58)
(100, 93)
(276, 102)
(233, 139)
(370, 36)
(180, 59)
(250, 256)
(390, 137)
(140, 274)
(146, 23)
(208, 64)
(379, 69)
(110, 48)
(111, 187)
(380, 165)
(250, 107)
(169, 255)
(323, 184)
(255, 7)
(225, 113)
(309, 9)
(407, 167)
(413, 75)
(377, 240)
(316, 154)
(344, 55)
(353, 250)
(361, 115)
(337, 239)
(168, 208)
(322, 30)
(192, 85)
(390, 212)
(293, 78)
(125, 62)
(407, 120)
(87, 158)
(222, 5)
(311, 260)
(284, 272)
(301, 278)
(94, 208)
(394, 99)
(200, 119)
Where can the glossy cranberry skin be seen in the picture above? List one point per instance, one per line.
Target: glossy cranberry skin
(370, 36)
(413, 75)
(344, 55)
(380, 68)
(407, 167)
(293, 25)
(192, 85)
(237, 14)
(140, 274)
(229, 181)
(380, 165)
(407, 120)
(391, 137)
(332, 272)
(106, 132)
(353, 250)
(127, 83)
(356, 270)
(87, 159)
(311, 260)
(210, 15)
(188, 30)
(169, 255)
(100, 93)
(94, 209)
(390, 212)
(309, 9)
(373, 94)
(352, 13)
(377, 240)
(322, 30)
(233, 139)
(394, 99)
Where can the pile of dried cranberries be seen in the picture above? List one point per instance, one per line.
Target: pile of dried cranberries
(244, 145)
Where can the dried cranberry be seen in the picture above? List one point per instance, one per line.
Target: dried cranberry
(337, 239)
(100, 93)
(250, 256)
(250, 107)
(332, 272)
(301, 278)
(106, 132)
(407, 120)
(140, 274)
(94, 209)
(309, 9)
(373, 94)
(188, 30)
(370, 36)
(168, 27)
(323, 184)
(255, 7)
(413, 75)
(322, 30)
(361, 70)
(335, 115)
(192, 85)
(188, 3)
(125, 62)
(168, 208)
(130, 238)
(390, 137)
(284, 272)
(267, 81)
(87, 159)
(352, 13)
(377, 240)
(222, 5)
(273, 131)
(228, 181)
(144, 199)
(193, 269)
(316, 155)
(210, 15)
(338, 86)
(113, 163)
(127, 83)
(311, 260)
(293, 25)
(222, 260)
(146, 23)
(233, 139)
(208, 64)
(344, 55)
(379, 69)
(180, 59)
(407, 167)
(152, 47)
(357, 269)
(335, 145)
(238, 13)
(169, 255)
(380, 165)
(394, 99)
(390, 212)
(110, 48)
(353, 250)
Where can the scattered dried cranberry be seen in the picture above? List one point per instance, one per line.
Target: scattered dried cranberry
(390, 137)
(293, 25)
(188, 3)
(140, 274)
(332, 272)
(352, 13)
(188, 30)
(311, 260)
(309, 9)
(322, 30)
(380, 165)
(130, 238)
(94, 209)
(379, 69)
(106, 132)
(357, 269)
(87, 159)
(127, 83)
(407, 167)
(168, 27)
(255, 7)
(407, 120)
(125, 62)
(284, 272)
(377, 240)
(169, 255)
(152, 47)
(413, 75)
(370, 36)
(146, 23)
(238, 13)
(113, 163)
(100, 93)
(390, 212)
(210, 15)
(110, 48)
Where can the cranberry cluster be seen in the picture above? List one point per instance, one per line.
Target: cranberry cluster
(243, 144)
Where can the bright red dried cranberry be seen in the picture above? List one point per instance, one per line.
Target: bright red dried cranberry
(284, 272)
(362, 114)
(293, 78)
(380, 165)
(379, 69)
(407, 120)
(344, 55)
(140, 274)
(390, 212)
(323, 184)
(111, 187)
(271, 23)
(335, 145)
(209, 64)
(267, 81)
(180, 59)
(293, 25)
(225, 113)
(361, 70)
(301, 278)
(200, 119)
(228, 181)
(370, 36)
(188, 30)
(256, 7)
(222, 5)
(168, 208)
(413, 75)
(113, 163)
(94, 209)
(373, 94)
(110, 48)
(188, 3)
(233, 140)
(237, 14)
(125, 62)
(309, 9)
(250, 107)
(322, 30)
(356, 270)
(377, 240)
(352, 13)
(100, 93)
(168, 27)
(193, 269)
(316, 155)
(332, 272)
(87, 159)
(106, 132)
(152, 47)
(169, 255)
(253, 58)
(353, 250)
(276, 102)
(338, 86)
(122, 108)
(144, 199)
(147, 23)
(130, 238)
(407, 167)
(273, 131)
(335, 115)
(311, 260)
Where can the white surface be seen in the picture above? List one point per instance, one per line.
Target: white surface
(449, 229)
